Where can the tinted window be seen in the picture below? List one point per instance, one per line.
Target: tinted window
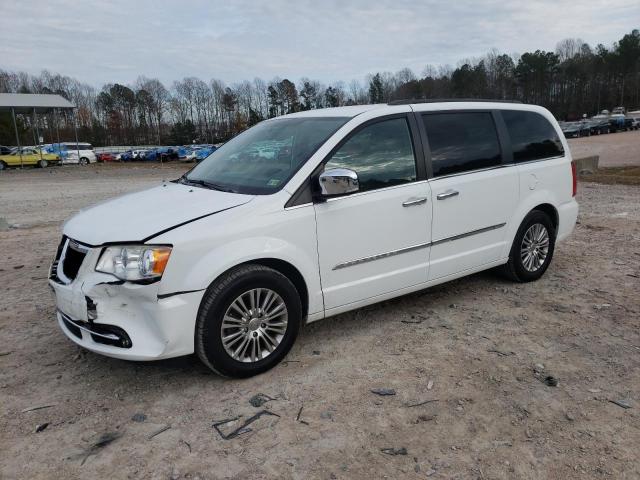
(381, 154)
(532, 136)
(79, 146)
(460, 142)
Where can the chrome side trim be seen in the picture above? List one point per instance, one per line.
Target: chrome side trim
(468, 234)
(371, 258)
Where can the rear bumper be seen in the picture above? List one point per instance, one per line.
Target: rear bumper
(567, 216)
(124, 320)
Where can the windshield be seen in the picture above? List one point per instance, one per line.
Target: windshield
(262, 159)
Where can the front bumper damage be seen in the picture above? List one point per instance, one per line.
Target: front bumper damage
(123, 319)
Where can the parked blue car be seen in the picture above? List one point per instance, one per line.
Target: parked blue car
(205, 152)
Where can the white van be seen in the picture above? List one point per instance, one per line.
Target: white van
(79, 153)
(310, 215)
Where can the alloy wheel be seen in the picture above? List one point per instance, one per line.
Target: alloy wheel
(535, 247)
(254, 325)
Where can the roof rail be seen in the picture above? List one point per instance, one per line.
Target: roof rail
(444, 100)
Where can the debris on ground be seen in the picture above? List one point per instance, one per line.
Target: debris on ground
(259, 400)
(551, 381)
(104, 440)
(502, 443)
(394, 451)
(621, 403)
(430, 385)
(39, 407)
(159, 431)
(409, 405)
(413, 321)
(42, 427)
(242, 428)
(139, 417)
(500, 353)
(424, 418)
(298, 419)
(383, 392)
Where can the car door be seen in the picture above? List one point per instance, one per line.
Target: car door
(376, 240)
(473, 191)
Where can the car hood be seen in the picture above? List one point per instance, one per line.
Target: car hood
(140, 216)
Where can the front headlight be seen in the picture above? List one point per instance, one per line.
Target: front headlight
(134, 262)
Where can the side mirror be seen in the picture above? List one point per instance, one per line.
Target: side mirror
(338, 181)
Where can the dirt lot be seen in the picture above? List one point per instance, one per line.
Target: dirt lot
(615, 149)
(470, 401)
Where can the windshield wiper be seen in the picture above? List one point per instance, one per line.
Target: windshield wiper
(205, 184)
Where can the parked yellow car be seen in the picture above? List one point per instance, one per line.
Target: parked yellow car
(30, 156)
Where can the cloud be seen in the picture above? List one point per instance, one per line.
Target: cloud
(116, 41)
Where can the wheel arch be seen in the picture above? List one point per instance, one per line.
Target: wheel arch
(286, 269)
(539, 202)
(549, 210)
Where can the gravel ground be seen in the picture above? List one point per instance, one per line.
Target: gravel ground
(467, 361)
(615, 149)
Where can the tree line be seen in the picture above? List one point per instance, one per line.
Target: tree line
(572, 80)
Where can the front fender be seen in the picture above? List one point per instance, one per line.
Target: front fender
(206, 249)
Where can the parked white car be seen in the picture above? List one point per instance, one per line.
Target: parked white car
(139, 154)
(310, 215)
(79, 153)
(191, 156)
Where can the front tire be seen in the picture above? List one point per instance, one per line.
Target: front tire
(248, 321)
(532, 248)
(3, 165)
(84, 161)
(43, 163)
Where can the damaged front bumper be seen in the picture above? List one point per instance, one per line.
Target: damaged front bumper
(124, 319)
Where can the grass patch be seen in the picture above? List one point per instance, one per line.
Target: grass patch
(614, 175)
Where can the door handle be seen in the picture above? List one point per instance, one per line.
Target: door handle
(414, 201)
(447, 194)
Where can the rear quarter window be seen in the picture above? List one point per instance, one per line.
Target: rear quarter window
(532, 136)
(462, 142)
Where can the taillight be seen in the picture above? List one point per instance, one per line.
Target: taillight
(574, 175)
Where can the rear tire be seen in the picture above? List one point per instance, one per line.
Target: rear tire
(83, 161)
(3, 166)
(217, 315)
(532, 248)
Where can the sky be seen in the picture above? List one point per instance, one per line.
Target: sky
(105, 41)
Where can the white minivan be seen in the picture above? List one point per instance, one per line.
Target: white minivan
(310, 215)
(79, 153)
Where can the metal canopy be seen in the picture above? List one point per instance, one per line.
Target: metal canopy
(33, 104)
(30, 103)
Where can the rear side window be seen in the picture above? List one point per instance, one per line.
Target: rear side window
(79, 146)
(381, 154)
(461, 142)
(532, 136)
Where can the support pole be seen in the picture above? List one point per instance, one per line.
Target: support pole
(75, 129)
(35, 122)
(15, 127)
(55, 112)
